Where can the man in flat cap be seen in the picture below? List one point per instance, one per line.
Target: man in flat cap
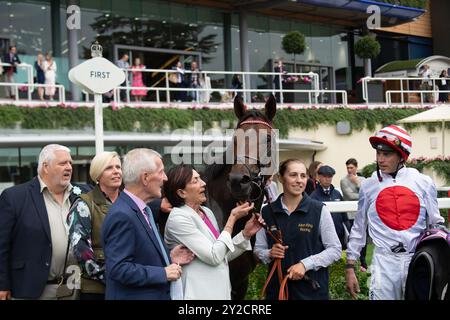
(326, 192)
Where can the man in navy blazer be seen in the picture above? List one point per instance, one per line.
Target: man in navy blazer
(13, 59)
(33, 240)
(137, 263)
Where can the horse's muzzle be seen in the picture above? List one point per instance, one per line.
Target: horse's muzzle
(240, 186)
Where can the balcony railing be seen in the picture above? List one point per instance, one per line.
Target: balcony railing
(164, 91)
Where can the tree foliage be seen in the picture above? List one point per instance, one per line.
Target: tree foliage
(367, 48)
(294, 43)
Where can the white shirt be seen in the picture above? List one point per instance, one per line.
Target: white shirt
(57, 217)
(328, 236)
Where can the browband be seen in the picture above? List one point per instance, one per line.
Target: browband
(256, 122)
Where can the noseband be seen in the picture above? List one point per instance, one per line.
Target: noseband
(256, 178)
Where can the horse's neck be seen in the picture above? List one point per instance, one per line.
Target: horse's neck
(219, 200)
(217, 210)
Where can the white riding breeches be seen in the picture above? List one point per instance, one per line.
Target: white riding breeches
(388, 275)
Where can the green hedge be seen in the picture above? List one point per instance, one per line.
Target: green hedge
(157, 120)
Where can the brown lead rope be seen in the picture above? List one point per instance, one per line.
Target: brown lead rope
(283, 293)
(275, 232)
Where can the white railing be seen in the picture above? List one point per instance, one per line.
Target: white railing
(28, 67)
(366, 80)
(245, 86)
(346, 206)
(31, 86)
(421, 92)
(311, 93)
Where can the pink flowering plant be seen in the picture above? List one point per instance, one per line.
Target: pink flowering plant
(293, 79)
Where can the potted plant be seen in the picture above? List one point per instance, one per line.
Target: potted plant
(294, 43)
(367, 48)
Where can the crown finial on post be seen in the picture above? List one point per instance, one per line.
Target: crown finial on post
(96, 50)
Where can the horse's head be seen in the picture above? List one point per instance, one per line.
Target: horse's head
(253, 154)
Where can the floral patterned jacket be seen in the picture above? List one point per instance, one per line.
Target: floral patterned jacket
(80, 231)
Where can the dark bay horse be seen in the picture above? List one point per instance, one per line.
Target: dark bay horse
(249, 161)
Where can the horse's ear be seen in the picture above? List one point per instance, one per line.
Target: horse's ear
(239, 107)
(271, 107)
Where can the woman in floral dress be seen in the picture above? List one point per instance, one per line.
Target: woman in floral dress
(85, 219)
(137, 81)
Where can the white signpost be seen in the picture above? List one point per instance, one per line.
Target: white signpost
(97, 76)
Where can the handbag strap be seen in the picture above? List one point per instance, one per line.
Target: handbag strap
(65, 261)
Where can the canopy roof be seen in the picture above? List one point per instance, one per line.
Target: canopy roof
(352, 13)
(437, 114)
(400, 65)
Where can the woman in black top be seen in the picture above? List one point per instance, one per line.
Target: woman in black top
(443, 86)
(40, 76)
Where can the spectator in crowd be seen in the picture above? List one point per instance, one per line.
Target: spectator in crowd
(350, 185)
(13, 59)
(33, 233)
(427, 83)
(180, 95)
(137, 81)
(312, 177)
(123, 64)
(279, 68)
(50, 75)
(272, 189)
(40, 74)
(138, 265)
(310, 243)
(194, 226)
(86, 218)
(236, 83)
(195, 80)
(443, 86)
(394, 204)
(326, 192)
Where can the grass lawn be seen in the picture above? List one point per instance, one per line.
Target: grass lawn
(369, 253)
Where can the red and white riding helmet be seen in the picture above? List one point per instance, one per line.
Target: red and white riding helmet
(394, 137)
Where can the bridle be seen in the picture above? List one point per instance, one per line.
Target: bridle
(256, 178)
(259, 181)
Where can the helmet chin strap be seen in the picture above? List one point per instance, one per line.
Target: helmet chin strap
(394, 174)
(380, 178)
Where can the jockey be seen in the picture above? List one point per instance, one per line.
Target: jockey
(393, 205)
